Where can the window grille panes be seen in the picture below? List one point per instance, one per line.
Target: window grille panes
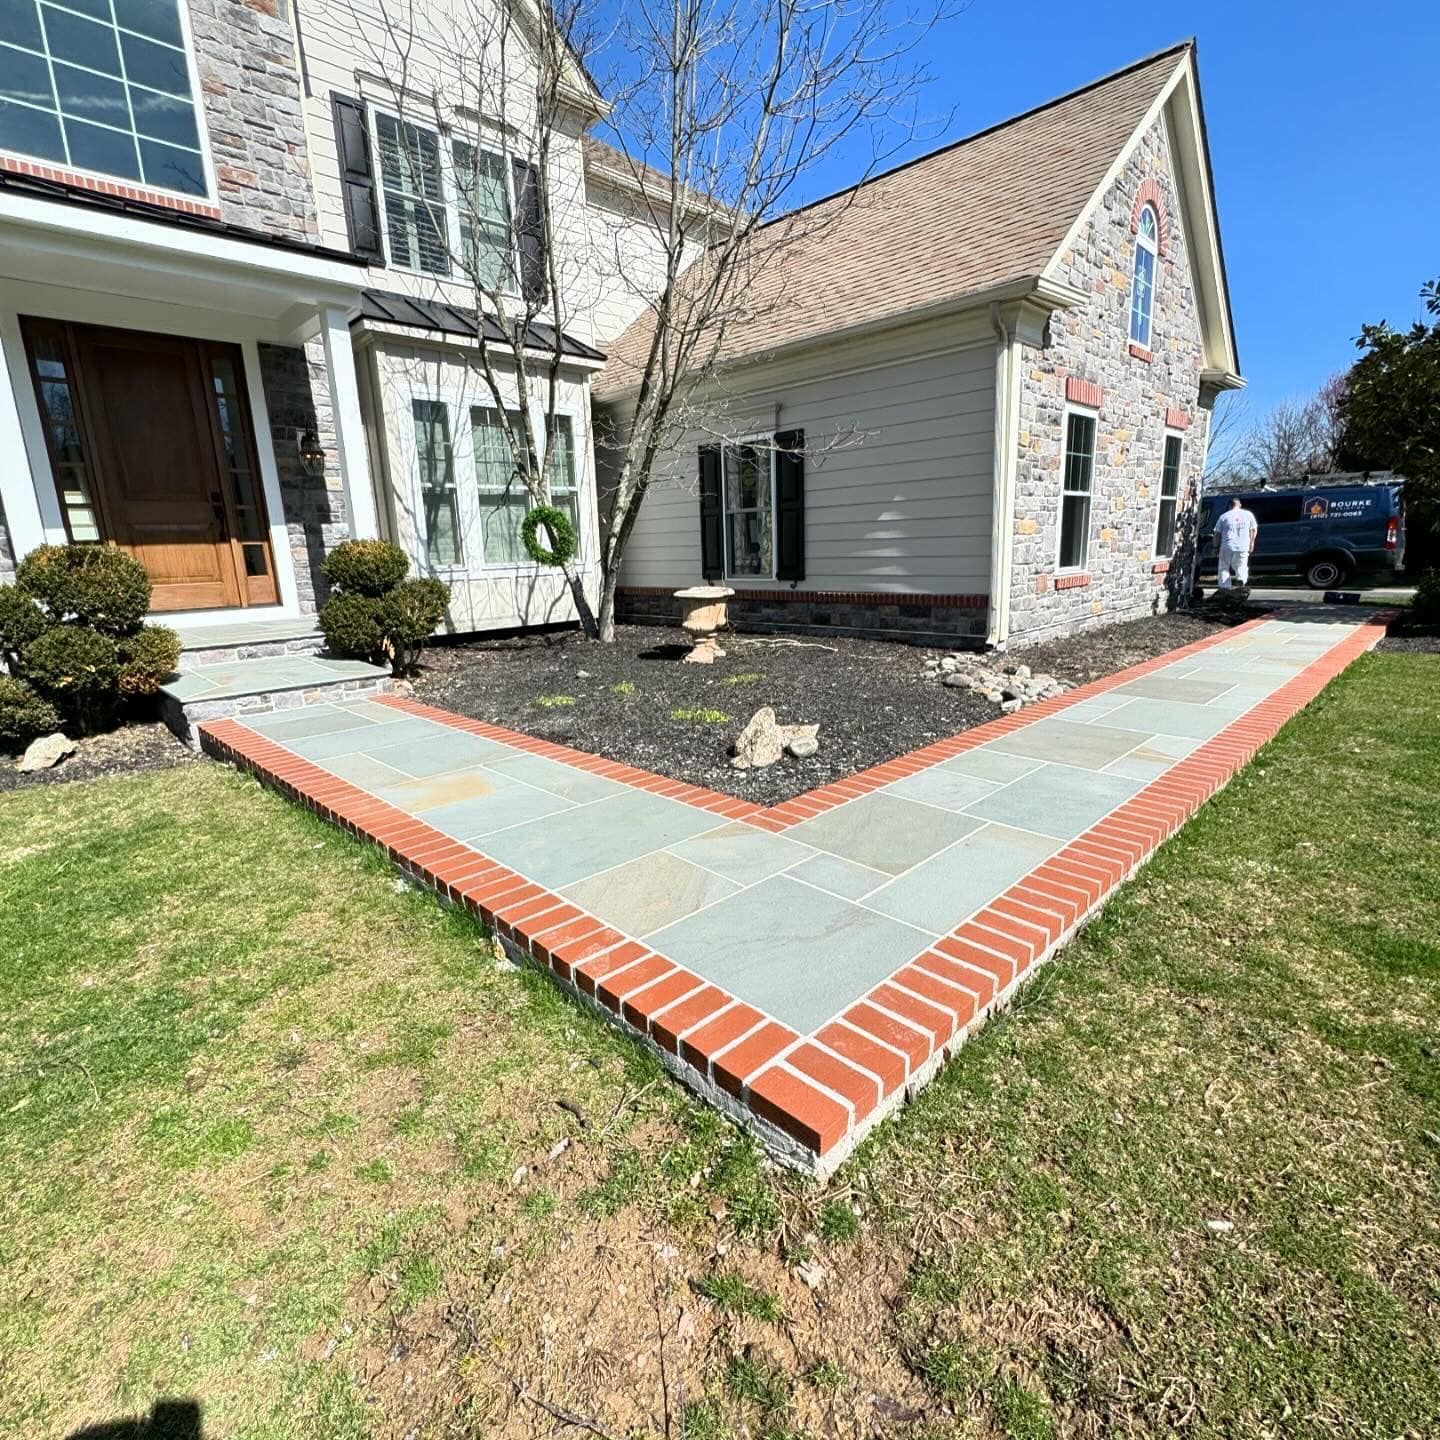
(749, 538)
(102, 88)
(1169, 497)
(1142, 286)
(504, 500)
(437, 482)
(1075, 497)
(57, 407)
(482, 201)
(414, 196)
(564, 493)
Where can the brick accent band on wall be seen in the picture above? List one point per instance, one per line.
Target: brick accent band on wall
(824, 597)
(1071, 582)
(1141, 353)
(1083, 392)
(1177, 419)
(109, 187)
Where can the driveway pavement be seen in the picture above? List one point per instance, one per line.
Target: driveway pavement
(804, 965)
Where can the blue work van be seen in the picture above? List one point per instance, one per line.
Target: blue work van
(1325, 529)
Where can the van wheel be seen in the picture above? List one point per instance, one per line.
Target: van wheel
(1325, 573)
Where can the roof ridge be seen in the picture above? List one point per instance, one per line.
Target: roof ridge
(1177, 49)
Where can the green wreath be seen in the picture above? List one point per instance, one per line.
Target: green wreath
(562, 535)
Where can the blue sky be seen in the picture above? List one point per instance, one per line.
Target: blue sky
(1324, 122)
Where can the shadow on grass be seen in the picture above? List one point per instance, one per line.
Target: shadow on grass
(169, 1420)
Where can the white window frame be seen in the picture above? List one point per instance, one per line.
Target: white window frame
(1151, 245)
(469, 515)
(445, 138)
(1083, 412)
(1178, 436)
(202, 129)
(766, 444)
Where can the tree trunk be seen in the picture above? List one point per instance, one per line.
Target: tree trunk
(608, 580)
(575, 578)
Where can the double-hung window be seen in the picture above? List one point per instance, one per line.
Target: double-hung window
(412, 178)
(1077, 486)
(1169, 497)
(436, 463)
(504, 498)
(101, 87)
(748, 496)
(1142, 284)
(482, 208)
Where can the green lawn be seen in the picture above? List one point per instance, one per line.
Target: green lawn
(282, 1136)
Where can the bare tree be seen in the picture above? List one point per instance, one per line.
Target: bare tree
(721, 110)
(738, 103)
(1294, 438)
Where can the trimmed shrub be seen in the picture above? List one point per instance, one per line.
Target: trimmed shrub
(78, 670)
(407, 617)
(21, 621)
(390, 624)
(349, 625)
(1425, 607)
(366, 567)
(96, 585)
(147, 659)
(23, 714)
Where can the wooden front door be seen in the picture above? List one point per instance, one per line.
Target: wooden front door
(167, 457)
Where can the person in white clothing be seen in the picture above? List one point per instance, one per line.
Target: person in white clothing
(1236, 532)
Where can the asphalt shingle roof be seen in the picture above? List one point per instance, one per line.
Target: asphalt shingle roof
(981, 211)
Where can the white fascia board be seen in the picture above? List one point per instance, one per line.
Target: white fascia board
(87, 232)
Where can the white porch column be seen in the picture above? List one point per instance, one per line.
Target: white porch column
(349, 430)
(18, 495)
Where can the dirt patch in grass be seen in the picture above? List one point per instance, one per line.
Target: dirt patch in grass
(127, 750)
(635, 701)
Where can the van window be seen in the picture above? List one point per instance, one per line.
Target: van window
(1275, 509)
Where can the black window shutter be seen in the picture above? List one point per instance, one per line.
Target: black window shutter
(712, 538)
(357, 177)
(790, 505)
(530, 232)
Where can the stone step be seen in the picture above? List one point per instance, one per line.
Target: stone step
(262, 685)
(203, 645)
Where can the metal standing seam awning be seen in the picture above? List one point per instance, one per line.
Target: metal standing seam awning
(391, 307)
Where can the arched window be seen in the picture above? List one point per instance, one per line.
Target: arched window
(1142, 286)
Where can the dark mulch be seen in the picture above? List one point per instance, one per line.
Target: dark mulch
(1405, 635)
(128, 750)
(871, 699)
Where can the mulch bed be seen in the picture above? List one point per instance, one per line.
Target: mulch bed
(634, 701)
(128, 750)
(1403, 635)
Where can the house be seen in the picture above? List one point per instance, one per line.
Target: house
(232, 333)
(973, 400)
(232, 336)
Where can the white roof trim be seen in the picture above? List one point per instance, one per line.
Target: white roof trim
(1178, 103)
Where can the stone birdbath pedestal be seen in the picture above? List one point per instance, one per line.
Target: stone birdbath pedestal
(702, 613)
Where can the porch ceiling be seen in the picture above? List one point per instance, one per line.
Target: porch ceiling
(278, 290)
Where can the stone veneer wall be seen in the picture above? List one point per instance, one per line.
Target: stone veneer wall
(7, 557)
(250, 83)
(918, 619)
(1092, 344)
(297, 398)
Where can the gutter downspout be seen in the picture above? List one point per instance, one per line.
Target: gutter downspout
(1007, 418)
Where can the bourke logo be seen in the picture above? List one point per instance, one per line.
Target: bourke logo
(1317, 507)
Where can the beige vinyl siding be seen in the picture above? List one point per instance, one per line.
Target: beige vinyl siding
(904, 506)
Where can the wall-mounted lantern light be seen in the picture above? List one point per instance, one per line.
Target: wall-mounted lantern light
(312, 454)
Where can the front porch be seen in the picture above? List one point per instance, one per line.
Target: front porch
(187, 392)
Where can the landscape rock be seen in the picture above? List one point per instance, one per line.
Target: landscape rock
(763, 741)
(46, 752)
(1009, 684)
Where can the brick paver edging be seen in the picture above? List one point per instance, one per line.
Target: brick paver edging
(810, 1098)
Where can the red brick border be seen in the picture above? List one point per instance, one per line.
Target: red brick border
(812, 1098)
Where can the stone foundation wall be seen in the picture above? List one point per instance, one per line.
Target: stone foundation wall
(1089, 358)
(250, 85)
(297, 398)
(918, 620)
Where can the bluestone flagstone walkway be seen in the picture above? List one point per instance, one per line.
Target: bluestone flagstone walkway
(805, 966)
